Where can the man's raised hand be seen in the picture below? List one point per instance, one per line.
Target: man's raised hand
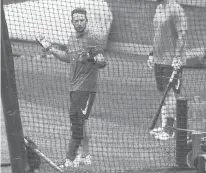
(44, 43)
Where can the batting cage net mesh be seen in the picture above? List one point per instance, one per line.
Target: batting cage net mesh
(127, 96)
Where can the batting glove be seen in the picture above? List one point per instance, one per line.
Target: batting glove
(150, 61)
(45, 44)
(84, 56)
(177, 62)
(100, 61)
(89, 54)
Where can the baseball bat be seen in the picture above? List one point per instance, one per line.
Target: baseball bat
(155, 118)
(39, 42)
(43, 42)
(46, 159)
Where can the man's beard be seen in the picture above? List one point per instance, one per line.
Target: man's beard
(81, 29)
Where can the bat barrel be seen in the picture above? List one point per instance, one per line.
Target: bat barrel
(39, 153)
(48, 161)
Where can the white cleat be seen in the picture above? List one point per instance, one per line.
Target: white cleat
(36, 171)
(155, 131)
(72, 164)
(164, 136)
(87, 160)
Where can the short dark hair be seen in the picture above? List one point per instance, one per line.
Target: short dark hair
(79, 10)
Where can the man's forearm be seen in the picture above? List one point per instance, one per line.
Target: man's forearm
(179, 47)
(180, 44)
(59, 54)
(156, 41)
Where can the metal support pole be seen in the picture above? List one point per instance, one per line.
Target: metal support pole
(10, 103)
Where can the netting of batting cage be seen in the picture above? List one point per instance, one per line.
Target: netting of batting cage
(126, 97)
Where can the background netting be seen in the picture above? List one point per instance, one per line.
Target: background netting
(127, 97)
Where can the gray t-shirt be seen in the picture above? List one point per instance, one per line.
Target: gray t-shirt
(83, 76)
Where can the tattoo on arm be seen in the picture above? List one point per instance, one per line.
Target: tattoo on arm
(59, 54)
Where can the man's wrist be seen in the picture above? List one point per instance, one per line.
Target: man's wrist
(178, 57)
(93, 60)
(178, 52)
(49, 49)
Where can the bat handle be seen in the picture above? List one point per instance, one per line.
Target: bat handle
(173, 75)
